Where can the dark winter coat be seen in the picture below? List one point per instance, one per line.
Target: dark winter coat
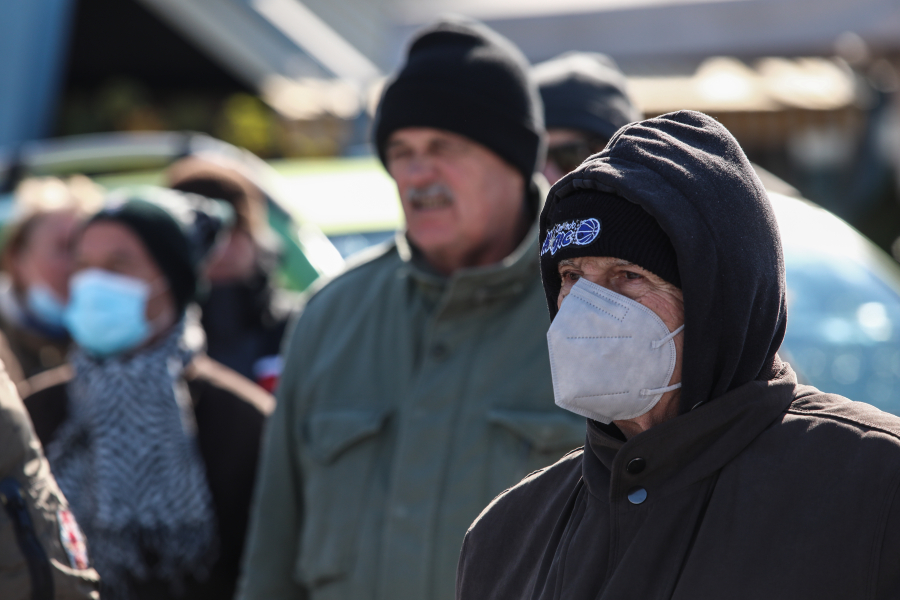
(760, 488)
(773, 491)
(245, 323)
(230, 412)
(41, 551)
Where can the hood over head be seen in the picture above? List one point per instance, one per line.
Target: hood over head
(688, 173)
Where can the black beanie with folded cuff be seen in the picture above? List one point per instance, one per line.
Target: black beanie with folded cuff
(463, 77)
(585, 91)
(593, 223)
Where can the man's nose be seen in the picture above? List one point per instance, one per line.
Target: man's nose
(421, 170)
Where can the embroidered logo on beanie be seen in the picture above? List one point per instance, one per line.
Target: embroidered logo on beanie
(580, 232)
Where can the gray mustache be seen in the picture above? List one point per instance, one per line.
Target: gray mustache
(436, 193)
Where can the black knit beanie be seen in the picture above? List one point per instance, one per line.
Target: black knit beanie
(585, 91)
(178, 230)
(463, 77)
(592, 223)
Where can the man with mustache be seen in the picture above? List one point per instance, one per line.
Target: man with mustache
(417, 384)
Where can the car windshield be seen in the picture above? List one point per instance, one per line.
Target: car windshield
(843, 333)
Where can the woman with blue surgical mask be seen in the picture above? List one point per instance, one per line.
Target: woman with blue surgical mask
(37, 264)
(153, 443)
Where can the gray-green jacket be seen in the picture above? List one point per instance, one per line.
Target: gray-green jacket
(408, 402)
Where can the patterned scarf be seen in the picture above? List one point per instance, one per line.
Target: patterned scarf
(128, 461)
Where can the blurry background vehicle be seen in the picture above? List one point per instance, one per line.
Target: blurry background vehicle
(352, 200)
(118, 159)
(843, 333)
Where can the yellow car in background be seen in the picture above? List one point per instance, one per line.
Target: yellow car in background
(352, 200)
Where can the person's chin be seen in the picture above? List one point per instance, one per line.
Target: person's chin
(432, 226)
(432, 239)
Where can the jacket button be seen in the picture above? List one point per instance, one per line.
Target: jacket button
(636, 465)
(637, 495)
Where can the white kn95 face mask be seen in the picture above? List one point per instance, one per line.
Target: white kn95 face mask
(611, 357)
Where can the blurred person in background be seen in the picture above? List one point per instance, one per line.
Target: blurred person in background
(585, 102)
(37, 263)
(153, 443)
(417, 384)
(245, 314)
(43, 553)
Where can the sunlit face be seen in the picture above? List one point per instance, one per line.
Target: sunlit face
(463, 204)
(115, 248)
(642, 286)
(46, 255)
(627, 279)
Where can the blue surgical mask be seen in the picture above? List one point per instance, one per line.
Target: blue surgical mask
(45, 306)
(106, 314)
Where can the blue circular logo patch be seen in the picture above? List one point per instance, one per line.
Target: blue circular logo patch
(587, 232)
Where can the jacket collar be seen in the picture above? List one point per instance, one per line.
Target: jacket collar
(480, 285)
(690, 447)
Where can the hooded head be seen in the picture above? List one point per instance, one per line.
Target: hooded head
(463, 77)
(697, 195)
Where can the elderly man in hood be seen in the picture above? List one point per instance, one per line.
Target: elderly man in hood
(708, 471)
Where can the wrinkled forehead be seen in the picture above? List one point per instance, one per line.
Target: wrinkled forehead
(606, 261)
(423, 136)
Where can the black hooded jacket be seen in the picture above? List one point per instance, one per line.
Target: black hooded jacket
(689, 173)
(761, 488)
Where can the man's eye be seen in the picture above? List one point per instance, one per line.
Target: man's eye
(397, 154)
(570, 276)
(632, 275)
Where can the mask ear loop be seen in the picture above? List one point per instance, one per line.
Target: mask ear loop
(660, 344)
(665, 340)
(661, 390)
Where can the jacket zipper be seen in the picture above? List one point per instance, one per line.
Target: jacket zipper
(38, 565)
